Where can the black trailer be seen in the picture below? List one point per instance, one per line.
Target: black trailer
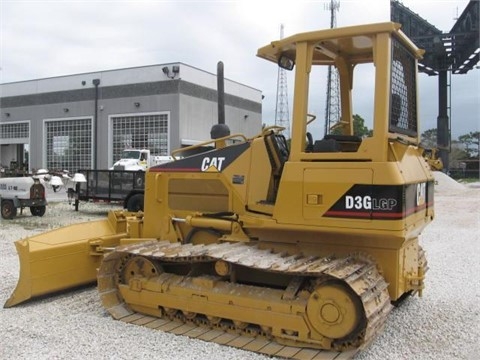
(118, 186)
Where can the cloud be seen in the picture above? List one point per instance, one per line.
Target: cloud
(51, 38)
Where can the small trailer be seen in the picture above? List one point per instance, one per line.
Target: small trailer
(19, 193)
(113, 186)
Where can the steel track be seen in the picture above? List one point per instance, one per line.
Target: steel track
(358, 272)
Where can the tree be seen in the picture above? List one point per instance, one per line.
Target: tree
(428, 138)
(471, 141)
(359, 128)
(457, 154)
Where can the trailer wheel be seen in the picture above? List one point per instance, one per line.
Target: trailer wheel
(37, 210)
(9, 211)
(135, 203)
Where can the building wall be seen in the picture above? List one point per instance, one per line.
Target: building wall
(243, 120)
(189, 98)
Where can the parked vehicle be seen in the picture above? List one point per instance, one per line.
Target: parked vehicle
(125, 187)
(431, 155)
(124, 182)
(139, 160)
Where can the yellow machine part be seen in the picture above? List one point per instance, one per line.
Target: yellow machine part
(335, 304)
(65, 257)
(302, 248)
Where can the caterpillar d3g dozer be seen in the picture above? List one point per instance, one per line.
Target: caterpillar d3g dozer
(285, 250)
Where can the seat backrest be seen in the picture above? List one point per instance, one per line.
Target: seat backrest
(344, 138)
(326, 145)
(277, 149)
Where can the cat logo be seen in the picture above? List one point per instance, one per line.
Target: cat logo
(215, 162)
(421, 191)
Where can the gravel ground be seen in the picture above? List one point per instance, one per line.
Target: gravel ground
(443, 325)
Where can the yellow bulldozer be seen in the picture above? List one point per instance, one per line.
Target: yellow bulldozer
(433, 159)
(273, 247)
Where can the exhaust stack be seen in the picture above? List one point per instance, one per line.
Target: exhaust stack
(221, 129)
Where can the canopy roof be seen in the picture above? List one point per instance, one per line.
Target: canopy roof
(354, 43)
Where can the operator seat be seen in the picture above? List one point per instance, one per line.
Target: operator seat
(277, 149)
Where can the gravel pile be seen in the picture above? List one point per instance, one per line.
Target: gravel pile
(444, 184)
(442, 325)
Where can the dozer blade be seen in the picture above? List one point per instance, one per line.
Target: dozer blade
(64, 258)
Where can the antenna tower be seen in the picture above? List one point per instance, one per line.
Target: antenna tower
(281, 109)
(332, 107)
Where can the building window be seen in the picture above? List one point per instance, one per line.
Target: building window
(69, 144)
(140, 132)
(20, 130)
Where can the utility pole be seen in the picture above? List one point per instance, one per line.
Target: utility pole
(281, 110)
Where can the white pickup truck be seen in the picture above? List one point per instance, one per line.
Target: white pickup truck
(139, 160)
(22, 192)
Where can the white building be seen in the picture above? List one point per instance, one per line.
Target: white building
(84, 121)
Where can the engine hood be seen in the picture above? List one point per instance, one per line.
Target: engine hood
(127, 164)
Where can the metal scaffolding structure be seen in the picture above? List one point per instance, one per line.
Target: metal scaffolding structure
(332, 105)
(282, 115)
(446, 53)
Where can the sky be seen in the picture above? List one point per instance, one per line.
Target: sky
(40, 39)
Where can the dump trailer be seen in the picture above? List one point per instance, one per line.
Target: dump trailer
(284, 249)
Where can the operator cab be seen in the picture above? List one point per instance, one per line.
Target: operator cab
(387, 53)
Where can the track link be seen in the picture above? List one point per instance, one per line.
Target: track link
(358, 273)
